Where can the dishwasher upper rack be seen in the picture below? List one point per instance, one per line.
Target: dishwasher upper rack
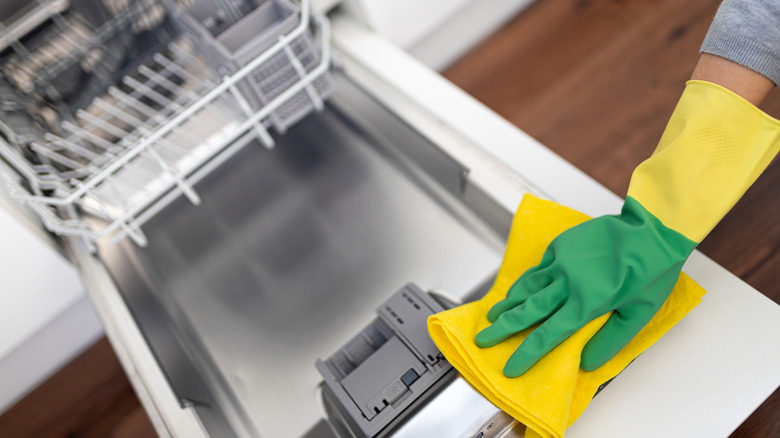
(151, 144)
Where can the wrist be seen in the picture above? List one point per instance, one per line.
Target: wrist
(746, 83)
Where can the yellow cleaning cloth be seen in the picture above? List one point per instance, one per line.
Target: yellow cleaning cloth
(554, 392)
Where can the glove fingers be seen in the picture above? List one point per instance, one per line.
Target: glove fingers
(543, 339)
(619, 330)
(530, 283)
(534, 310)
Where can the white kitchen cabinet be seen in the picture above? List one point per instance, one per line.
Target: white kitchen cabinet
(45, 317)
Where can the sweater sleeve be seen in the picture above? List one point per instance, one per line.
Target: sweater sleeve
(748, 33)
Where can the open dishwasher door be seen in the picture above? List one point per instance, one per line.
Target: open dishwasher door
(289, 255)
(293, 251)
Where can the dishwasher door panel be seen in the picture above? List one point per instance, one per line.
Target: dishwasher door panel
(287, 257)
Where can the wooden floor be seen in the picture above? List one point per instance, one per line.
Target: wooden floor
(594, 80)
(89, 398)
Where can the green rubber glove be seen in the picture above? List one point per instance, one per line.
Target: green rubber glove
(715, 145)
(628, 263)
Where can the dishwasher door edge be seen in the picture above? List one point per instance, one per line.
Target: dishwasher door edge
(168, 416)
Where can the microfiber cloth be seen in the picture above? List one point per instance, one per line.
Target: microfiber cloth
(550, 396)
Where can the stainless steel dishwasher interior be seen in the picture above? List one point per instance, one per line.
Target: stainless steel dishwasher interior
(288, 256)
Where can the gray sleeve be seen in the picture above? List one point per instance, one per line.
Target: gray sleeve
(748, 33)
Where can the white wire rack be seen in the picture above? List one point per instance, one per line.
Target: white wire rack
(230, 39)
(153, 133)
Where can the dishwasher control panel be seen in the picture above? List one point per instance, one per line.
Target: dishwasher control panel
(386, 371)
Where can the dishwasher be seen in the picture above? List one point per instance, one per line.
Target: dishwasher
(265, 203)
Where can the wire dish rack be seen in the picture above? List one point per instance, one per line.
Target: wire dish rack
(107, 117)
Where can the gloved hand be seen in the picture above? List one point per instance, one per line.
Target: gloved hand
(627, 263)
(714, 147)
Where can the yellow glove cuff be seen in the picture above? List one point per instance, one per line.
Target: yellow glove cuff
(715, 146)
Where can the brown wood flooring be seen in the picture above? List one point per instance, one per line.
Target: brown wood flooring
(88, 398)
(594, 80)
